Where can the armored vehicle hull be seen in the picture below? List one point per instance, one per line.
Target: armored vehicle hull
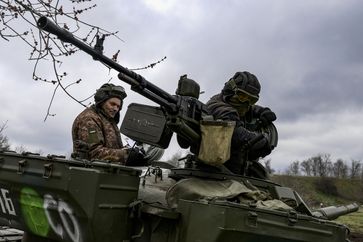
(55, 199)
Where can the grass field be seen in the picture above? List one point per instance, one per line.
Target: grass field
(329, 191)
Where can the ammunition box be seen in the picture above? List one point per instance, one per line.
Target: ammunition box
(146, 124)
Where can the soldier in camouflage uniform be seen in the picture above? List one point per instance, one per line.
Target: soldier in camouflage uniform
(236, 102)
(95, 133)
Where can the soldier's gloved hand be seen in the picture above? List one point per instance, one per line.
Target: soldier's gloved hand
(265, 114)
(135, 157)
(260, 149)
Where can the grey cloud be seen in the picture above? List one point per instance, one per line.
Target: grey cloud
(307, 55)
(323, 91)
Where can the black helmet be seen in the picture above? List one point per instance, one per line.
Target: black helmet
(107, 91)
(244, 82)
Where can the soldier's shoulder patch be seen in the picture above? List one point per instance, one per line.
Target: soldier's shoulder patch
(93, 136)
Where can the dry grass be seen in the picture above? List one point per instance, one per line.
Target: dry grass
(315, 190)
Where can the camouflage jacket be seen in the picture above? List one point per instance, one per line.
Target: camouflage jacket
(97, 136)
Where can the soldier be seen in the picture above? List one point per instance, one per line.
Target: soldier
(236, 102)
(95, 133)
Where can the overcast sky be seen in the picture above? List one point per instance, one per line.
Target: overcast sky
(308, 56)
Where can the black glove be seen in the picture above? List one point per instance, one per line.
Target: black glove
(259, 149)
(265, 115)
(136, 157)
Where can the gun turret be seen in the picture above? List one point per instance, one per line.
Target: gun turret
(333, 212)
(183, 111)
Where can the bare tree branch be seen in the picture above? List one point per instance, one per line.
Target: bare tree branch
(47, 48)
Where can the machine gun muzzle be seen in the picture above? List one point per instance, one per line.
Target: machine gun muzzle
(47, 25)
(333, 212)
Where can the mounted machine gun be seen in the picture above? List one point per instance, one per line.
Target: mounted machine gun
(181, 113)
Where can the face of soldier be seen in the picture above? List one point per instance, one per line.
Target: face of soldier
(241, 103)
(111, 107)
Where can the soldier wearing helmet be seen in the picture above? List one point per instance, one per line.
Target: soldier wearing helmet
(95, 133)
(236, 102)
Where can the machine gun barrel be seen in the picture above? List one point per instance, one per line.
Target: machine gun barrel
(138, 83)
(333, 212)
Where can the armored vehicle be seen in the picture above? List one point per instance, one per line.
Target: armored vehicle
(52, 198)
(55, 199)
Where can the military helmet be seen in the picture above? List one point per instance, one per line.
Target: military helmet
(107, 91)
(242, 82)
